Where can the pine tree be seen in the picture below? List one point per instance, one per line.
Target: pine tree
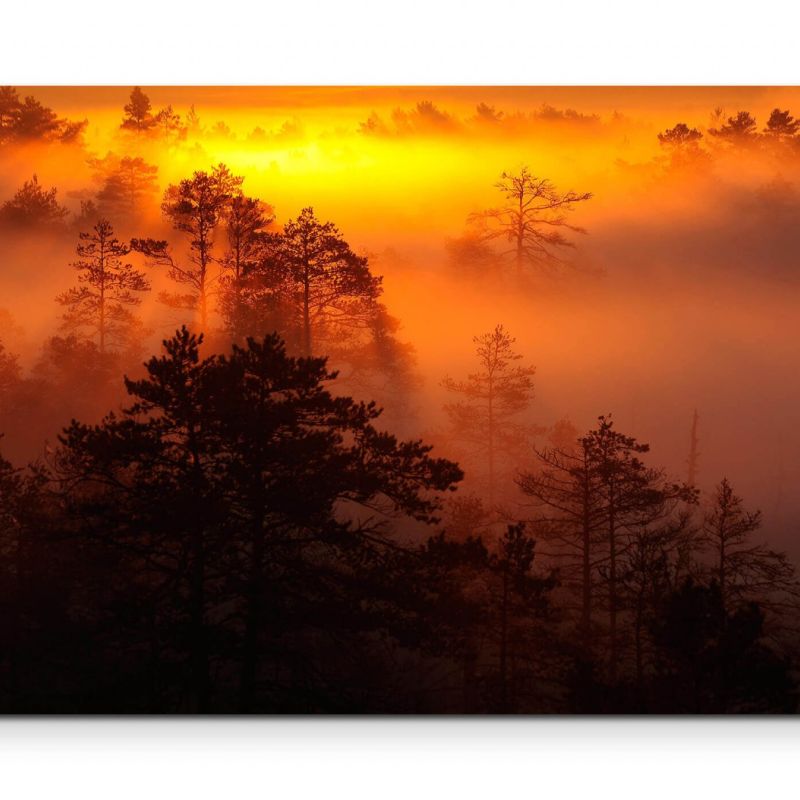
(633, 497)
(10, 107)
(245, 222)
(333, 288)
(743, 569)
(100, 305)
(486, 419)
(195, 206)
(33, 206)
(739, 130)
(231, 473)
(137, 112)
(128, 185)
(782, 126)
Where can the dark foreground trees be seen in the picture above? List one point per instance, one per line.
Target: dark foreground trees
(240, 500)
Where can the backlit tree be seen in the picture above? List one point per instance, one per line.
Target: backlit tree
(195, 206)
(486, 417)
(532, 220)
(108, 288)
(333, 288)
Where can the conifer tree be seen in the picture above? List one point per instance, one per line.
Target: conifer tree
(109, 287)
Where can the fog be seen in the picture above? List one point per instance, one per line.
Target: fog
(681, 295)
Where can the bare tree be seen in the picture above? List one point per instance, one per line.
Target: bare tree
(532, 220)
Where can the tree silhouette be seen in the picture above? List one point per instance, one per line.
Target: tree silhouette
(33, 206)
(195, 206)
(683, 144)
(168, 123)
(633, 497)
(679, 136)
(100, 305)
(245, 222)
(781, 126)
(569, 516)
(531, 221)
(738, 130)
(520, 596)
(29, 120)
(486, 419)
(137, 112)
(253, 460)
(332, 286)
(715, 661)
(743, 569)
(128, 184)
(35, 121)
(9, 112)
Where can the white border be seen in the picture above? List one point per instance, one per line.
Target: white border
(553, 42)
(415, 42)
(382, 759)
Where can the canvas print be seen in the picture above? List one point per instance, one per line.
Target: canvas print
(399, 400)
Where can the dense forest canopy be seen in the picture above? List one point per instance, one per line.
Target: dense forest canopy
(393, 400)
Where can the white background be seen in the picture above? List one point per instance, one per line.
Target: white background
(413, 42)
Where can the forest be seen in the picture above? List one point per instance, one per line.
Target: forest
(532, 455)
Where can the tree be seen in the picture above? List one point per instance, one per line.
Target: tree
(29, 120)
(486, 420)
(521, 595)
(33, 206)
(195, 206)
(193, 121)
(246, 220)
(633, 497)
(128, 184)
(168, 123)
(36, 121)
(10, 108)
(679, 136)
(713, 660)
(531, 221)
(743, 570)
(333, 288)
(137, 112)
(22, 567)
(108, 289)
(10, 374)
(659, 555)
(569, 517)
(683, 144)
(781, 126)
(488, 115)
(738, 130)
(237, 476)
